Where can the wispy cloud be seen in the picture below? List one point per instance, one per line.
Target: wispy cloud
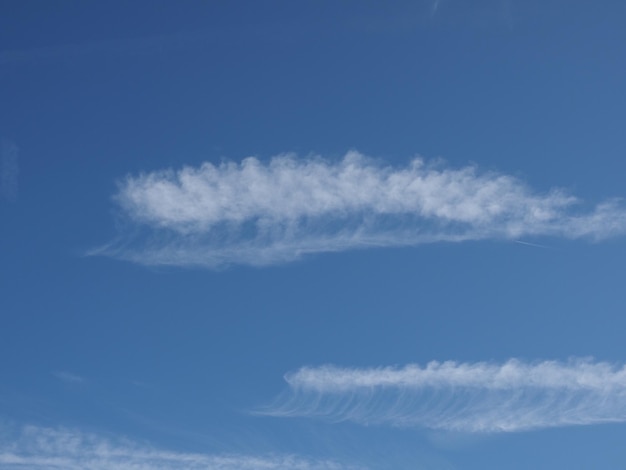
(8, 170)
(467, 397)
(39, 448)
(434, 8)
(68, 377)
(262, 213)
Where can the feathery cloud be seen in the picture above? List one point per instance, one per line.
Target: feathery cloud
(39, 448)
(467, 397)
(264, 213)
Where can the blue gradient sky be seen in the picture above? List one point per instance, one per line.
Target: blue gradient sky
(180, 358)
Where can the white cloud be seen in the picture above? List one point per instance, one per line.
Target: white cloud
(467, 397)
(262, 213)
(38, 448)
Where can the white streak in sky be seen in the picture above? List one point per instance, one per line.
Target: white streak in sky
(536, 245)
(38, 448)
(8, 170)
(264, 213)
(68, 377)
(433, 10)
(466, 397)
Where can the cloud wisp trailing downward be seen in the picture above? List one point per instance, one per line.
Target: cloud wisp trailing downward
(39, 448)
(465, 397)
(265, 213)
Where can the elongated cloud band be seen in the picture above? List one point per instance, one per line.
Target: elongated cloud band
(469, 397)
(38, 448)
(263, 213)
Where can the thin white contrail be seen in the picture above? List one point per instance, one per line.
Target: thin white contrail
(536, 245)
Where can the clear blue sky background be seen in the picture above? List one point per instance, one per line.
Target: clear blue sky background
(178, 357)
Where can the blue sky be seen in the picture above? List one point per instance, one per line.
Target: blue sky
(312, 235)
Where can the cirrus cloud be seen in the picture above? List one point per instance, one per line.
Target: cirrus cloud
(39, 448)
(466, 397)
(260, 213)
